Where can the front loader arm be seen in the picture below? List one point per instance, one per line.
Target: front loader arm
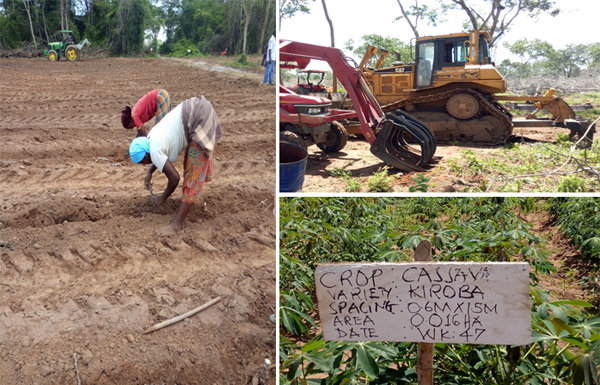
(297, 55)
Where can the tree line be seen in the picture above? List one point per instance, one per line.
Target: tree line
(538, 57)
(125, 27)
(534, 57)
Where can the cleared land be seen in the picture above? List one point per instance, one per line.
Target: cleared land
(530, 163)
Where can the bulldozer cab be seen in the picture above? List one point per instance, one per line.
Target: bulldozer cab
(455, 50)
(441, 62)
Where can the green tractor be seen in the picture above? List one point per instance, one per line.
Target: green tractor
(66, 48)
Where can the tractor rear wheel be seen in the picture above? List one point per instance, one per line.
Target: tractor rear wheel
(300, 90)
(72, 53)
(52, 55)
(337, 137)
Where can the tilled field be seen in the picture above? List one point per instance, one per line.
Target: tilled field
(82, 269)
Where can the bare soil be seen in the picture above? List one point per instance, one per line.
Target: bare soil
(570, 266)
(357, 159)
(82, 269)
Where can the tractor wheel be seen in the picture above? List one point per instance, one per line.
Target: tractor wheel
(337, 136)
(301, 90)
(292, 138)
(52, 55)
(72, 53)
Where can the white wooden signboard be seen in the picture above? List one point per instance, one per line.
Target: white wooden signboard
(447, 302)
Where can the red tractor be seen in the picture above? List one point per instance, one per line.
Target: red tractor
(309, 87)
(401, 141)
(306, 120)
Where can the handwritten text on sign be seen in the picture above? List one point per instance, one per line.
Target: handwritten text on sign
(448, 302)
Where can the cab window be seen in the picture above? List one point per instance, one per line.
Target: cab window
(424, 64)
(484, 50)
(454, 52)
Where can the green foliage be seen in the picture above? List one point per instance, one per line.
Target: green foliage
(133, 18)
(314, 230)
(421, 183)
(352, 184)
(339, 173)
(184, 48)
(122, 27)
(391, 44)
(380, 181)
(539, 57)
(572, 183)
(579, 219)
(528, 167)
(288, 8)
(473, 163)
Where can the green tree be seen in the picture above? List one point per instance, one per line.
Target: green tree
(498, 16)
(121, 26)
(132, 20)
(531, 50)
(494, 15)
(155, 24)
(568, 61)
(530, 53)
(392, 44)
(414, 13)
(288, 8)
(595, 55)
(267, 12)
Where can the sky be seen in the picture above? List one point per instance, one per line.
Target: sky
(352, 19)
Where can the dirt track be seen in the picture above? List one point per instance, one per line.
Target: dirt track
(81, 268)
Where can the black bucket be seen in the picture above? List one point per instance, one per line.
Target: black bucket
(292, 166)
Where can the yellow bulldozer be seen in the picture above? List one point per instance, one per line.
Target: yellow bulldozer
(454, 87)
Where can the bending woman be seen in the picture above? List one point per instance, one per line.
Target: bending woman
(156, 103)
(192, 128)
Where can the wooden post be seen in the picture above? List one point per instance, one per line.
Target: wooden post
(425, 355)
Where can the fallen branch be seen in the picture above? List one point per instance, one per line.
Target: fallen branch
(7, 245)
(181, 317)
(584, 165)
(76, 368)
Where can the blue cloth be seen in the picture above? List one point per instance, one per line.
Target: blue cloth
(269, 72)
(139, 148)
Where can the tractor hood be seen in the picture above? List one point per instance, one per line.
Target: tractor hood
(292, 103)
(290, 97)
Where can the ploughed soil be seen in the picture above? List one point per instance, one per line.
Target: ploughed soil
(357, 159)
(570, 266)
(82, 270)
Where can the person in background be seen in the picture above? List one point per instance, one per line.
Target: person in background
(192, 127)
(270, 59)
(156, 103)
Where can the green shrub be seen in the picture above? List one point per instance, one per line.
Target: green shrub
(380, 181)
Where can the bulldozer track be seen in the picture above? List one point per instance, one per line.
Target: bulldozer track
(488, 107)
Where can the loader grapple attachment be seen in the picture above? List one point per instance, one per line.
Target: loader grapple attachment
(398, 139)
